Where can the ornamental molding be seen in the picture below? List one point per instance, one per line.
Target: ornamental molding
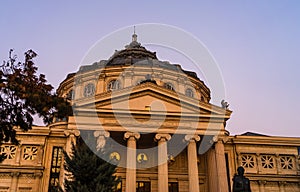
(72, 132)
(162, 136)
(101, 141)
(192, 138)
(129, 135)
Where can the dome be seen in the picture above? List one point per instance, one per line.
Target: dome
(132, 66)
(133, 53)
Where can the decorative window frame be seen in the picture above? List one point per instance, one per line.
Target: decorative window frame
(89, 89)
(10, 151)
(112, 86)
(70, 95)
(30, 153)
(248, 161)
(268, 161)
(189, 93)
(169, 85)
(56, 164)
(287, 163)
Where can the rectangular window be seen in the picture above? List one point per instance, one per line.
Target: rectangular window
(119, 187)
(227, 171)
(142, 186)
(173, 187)
(56, 162)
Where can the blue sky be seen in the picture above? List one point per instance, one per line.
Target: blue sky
(256, 44)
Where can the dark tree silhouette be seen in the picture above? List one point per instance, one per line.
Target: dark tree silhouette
(23, 94)
(88, 172)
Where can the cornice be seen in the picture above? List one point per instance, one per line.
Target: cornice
(267, 140)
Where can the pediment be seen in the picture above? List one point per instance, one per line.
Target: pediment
(150, 97)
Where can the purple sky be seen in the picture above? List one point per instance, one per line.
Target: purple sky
(256, 44)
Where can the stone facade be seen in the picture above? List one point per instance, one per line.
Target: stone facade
(146, 106)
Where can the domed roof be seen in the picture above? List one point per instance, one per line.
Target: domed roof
(136, 54)
(132, 54)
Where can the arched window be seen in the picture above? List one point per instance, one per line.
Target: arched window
(89, 90)
(202, 98)
(70, 95)
(113, 85)
(189, 92)
(169, 86)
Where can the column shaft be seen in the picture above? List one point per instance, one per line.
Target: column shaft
(281, 186)
(131, 161)
(212, 171)
(14, 182)
(193, 167)
(162, 166)
(162, 159)
(131, 164)
(261, 186)
(221, 166)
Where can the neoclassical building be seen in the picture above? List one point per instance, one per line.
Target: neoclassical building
(163, 132)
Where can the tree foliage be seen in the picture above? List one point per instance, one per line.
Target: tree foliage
(88, 172)
(23, 94)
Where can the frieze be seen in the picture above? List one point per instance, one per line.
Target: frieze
(5, 175)
(147, 123)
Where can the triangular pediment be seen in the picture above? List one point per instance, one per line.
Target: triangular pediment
(150, 97)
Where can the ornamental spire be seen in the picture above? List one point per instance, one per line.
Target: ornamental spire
(134, 36)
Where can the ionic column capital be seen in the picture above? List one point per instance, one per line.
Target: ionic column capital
(162, 136)
(133, 135)
(220, 139)
(15, 174)
(192, 138)
(70, 132)
(101, 133)
(38, 174)
(282, 183)
(262, 182)
(101, 141)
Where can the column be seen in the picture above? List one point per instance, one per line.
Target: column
(131, 161)
(192, 162)
(14, 181)
(101, 138)
(221, 166)
(71, 138)
(212, 171)
(261, 185)
(281, 186)
(162, 159)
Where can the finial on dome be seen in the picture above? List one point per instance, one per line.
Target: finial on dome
(134, 36)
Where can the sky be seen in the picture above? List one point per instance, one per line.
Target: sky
(255, 43)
